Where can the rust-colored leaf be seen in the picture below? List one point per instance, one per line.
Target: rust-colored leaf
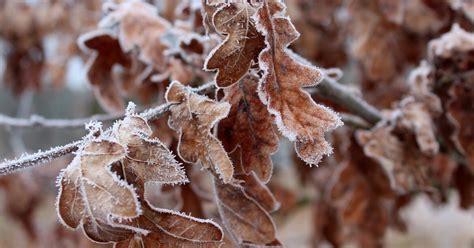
(234, 56)
(257, 190)
(249, 128)
(192, 119)
(243, 216)
(99, 71)
(172, 229)
(298, 117)
(403, 163)
(134, 18)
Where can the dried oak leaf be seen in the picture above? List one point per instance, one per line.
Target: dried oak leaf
(91, 195)
(415, 116)
(234, 56)
(403, 163)
(298, 117)
(147, 159)
(134, 19)
(361, 209)
(257, 190)
(107, 53)
(247, 220)
(193, 118)
(171, 229)
(452, 58)
(249, 127)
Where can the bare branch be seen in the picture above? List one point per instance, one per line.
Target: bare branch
(355, 121)
(339, 94)
(40, 121)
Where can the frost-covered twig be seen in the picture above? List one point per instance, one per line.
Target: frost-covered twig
(39, 121)
(41, 157)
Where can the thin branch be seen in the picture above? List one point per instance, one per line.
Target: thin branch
(40, 121)
(40, 157)
(339, 94)
(355, 121)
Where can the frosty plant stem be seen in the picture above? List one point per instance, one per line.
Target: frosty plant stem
(40, 157)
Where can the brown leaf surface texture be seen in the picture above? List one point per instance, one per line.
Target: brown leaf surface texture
(243, 216)
(298, 117)
(249, 128)
(192, 119)
(91, 194)
(172, 229)
(233, 56)
(99, 70)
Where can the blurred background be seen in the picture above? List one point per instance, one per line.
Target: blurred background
(376, 43)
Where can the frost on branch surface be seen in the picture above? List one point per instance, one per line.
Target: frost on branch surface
(233, 57)
(298, 117)
(193, 118)
(248, 133)
(103, 190)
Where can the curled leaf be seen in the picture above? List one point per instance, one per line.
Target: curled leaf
(192, 119)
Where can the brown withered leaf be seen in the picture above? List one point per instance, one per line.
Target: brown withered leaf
(249, 127)
(99, 70)
(415, 116)
(403, 163)
(91, 194)
(171, 229)
(147, 159)
(452, 61)
(134, 18)
(247, 221)
(257, 190)
(461, 113)
(192, 119)
(298, 117)
(233, 57)
(361, 209)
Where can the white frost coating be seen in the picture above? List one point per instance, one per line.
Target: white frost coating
(169, 211)
(25, 161)
(456, 40)
(130, 108)
(292, 135)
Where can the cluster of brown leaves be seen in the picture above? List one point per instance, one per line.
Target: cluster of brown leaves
(125, 186)
(103, 191)
(423, 145)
